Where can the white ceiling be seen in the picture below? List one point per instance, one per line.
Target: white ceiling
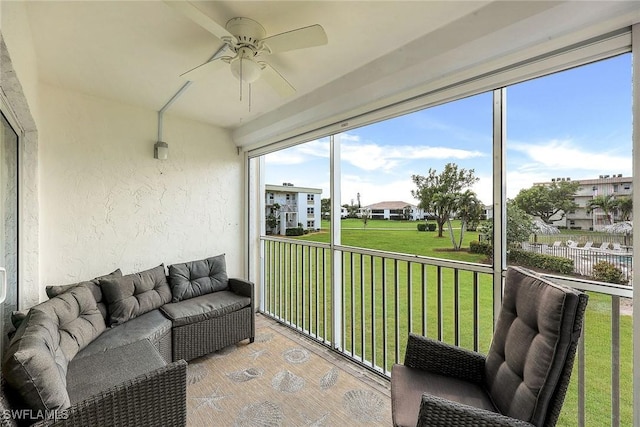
(134, 51)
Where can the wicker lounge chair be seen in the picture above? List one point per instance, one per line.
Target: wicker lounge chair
(443, 385)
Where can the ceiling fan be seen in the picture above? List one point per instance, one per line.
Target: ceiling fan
(245, 44)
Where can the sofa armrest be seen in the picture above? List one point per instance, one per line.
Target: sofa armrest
(156, 398)
(438, 412)
(445, 359)
(242, 287)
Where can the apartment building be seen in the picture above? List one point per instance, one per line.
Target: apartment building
(395, 210)
(581, 217)
(289, 206)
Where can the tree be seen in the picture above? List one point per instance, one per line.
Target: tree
(624, 205)
(352, 210)
(273, 219)
(366, 214)
(438, 193)
(406, 213)
(469, 209)
(325, 208)
(546, 201)
(605, 202)
(519, 225)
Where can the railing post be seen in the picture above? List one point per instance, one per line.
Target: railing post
(635, 49)
(336, 256)
(499, 197)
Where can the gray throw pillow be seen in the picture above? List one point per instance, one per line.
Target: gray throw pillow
(195, 278)
(53, 332)
(17, 316)
(135, 294)
(93, 285)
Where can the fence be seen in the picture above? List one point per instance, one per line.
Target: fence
(585, 258)
(379, 297)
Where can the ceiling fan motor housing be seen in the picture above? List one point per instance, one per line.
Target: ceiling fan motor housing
(246, 31)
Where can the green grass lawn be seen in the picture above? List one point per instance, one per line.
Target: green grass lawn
(302, 287)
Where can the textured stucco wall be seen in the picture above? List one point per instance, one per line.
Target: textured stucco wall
(19, 82)
(107, 203)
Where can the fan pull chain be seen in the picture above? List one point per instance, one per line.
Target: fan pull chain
(241, 79)
(249, 97)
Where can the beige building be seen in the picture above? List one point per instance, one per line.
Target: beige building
(395, 210)
(583, 219)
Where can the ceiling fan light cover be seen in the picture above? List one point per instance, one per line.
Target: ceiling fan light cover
(246, 69)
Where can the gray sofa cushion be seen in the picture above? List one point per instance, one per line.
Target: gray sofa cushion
(528, 349)
(204, 307)
(149, 326)
(135, 294)
(35, 364)
(195, 278)
(94, 287)
(88, 376)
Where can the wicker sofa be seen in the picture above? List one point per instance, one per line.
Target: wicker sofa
(113, 350)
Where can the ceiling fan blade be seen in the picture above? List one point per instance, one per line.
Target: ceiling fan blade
(297, 39)
(277, 81)
(202, 70)
(199, 17)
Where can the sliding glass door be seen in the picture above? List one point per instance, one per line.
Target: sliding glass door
(8, 226)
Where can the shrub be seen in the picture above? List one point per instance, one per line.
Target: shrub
(294, 231)
(542, 261)
(422, 227)
(431, 226)
(604, 271)
(480, 248)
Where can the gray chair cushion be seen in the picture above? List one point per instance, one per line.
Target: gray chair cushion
(52, 333)
(195, 278)
(204, 307)
(89, 376)
(530, 345)
(94, 287)
(410, 383)
(149, 326)
(135, 294)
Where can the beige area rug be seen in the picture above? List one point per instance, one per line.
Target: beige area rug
(281, 381)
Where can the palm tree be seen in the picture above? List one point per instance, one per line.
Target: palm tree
(624, 206)
(605, 202)
(469, 208)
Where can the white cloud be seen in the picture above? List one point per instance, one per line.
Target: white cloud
(561, 158)
(385, 158)
(349, 137)
(285, 157)
(556, 156)
(300, 153)
(372, 192)
(367, 156)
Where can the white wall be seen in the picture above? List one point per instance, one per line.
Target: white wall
(106, 203)
(19, 83)
(16, 32)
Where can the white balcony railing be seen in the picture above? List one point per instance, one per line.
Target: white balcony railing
(383, 296)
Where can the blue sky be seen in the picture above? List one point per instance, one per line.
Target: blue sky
(575, 123)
